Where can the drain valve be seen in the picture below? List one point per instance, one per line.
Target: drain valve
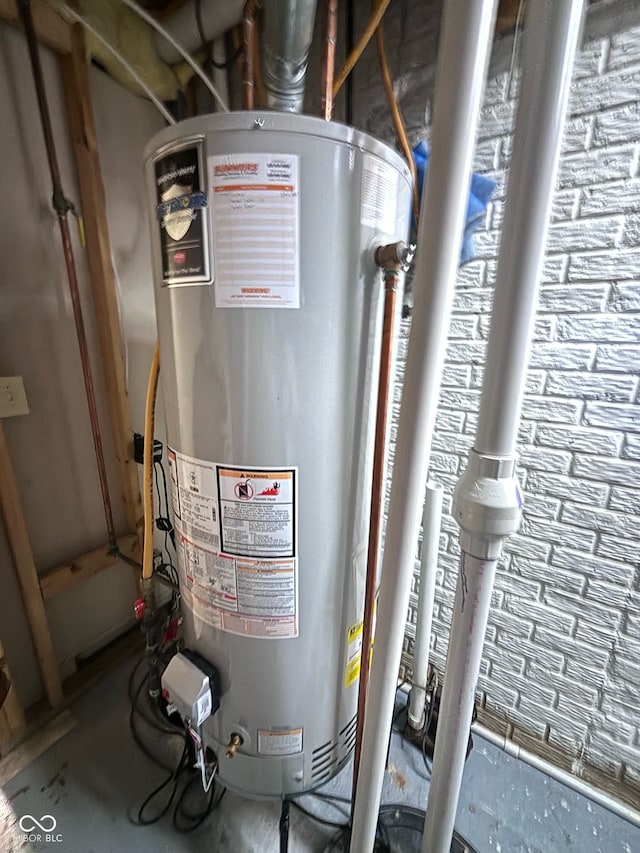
(234, 744)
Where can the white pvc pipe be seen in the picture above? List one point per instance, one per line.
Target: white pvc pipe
(471, 606)
(218, 16)
(220, 76)
(183, 53)
(547, 60)
(71, 13)
(431, 518)
(460, 76)
(550, 41)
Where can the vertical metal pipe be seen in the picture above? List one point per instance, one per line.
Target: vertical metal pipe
(461, 71)
(431, 518)
(62, 207)
(389, 258)
(249, 51)
(329, 60)
(487, 501)
(286, 39)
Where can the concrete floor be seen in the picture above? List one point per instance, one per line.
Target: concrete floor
(95, 777)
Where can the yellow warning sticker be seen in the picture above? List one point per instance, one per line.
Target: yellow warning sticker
(354, 654)
(354, 649)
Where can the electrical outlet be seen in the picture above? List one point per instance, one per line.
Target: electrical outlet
(13, 400)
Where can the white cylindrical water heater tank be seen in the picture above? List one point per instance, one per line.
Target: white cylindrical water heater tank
(269, 316)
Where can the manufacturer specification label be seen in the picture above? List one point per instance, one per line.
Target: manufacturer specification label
(236, 543)
(378, 204)
(279, 741)
(256, 230)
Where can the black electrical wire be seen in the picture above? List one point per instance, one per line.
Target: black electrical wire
(166, 515)
(323, 820)
(184, 820)
(163, 520)
(136, 735)
(192, 820)
(284, 826)
(174, 777)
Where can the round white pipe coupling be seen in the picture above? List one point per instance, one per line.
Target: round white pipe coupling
(487, 504)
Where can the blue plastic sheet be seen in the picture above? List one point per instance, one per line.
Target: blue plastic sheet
(480, 192)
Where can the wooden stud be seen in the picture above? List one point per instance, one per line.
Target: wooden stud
(18, 538)
(11, 714)
(75, 79)
(508, 12)
(57, 580)
(51, 28)
(38, 742)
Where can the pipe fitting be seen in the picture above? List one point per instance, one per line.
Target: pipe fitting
(487, 504)
(394, 256)
(234, 745)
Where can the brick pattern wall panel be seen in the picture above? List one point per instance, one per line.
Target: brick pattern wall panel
(561, 665)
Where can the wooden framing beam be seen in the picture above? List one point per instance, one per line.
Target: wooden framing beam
(508, 11)
(51, 28)
(18, 538)
(75, 77)
(11, 715)
(57, 580)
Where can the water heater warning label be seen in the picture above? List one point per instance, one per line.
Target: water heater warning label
(257, 512)
(279, 741)
(236, 544)
(256, 230)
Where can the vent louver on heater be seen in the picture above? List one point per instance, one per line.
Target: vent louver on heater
(348, 737)
(323, 762)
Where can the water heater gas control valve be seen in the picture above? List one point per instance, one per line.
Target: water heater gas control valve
(189, 690)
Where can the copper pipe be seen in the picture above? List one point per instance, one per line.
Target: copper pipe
(390, 258)
(261, 98)
(329, 60)
(249, 52)
(62, 207)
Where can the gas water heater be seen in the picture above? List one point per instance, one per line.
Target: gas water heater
(269, 315)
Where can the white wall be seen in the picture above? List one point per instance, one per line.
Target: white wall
(51, 448)
(560, 671)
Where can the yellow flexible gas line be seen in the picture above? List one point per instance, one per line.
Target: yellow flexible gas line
(358, 50)
(398, 122)
(147, 463)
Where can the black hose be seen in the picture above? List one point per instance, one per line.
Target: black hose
(284, 826)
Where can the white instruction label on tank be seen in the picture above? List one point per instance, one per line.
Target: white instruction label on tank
(279, 742)
(378, 204)
(236, 545)
(256, 230)
(194, 497)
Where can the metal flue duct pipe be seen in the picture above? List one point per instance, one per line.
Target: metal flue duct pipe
(462, 62)
(487, 500)
(288, 30)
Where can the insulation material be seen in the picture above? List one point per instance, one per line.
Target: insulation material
(134, 39)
